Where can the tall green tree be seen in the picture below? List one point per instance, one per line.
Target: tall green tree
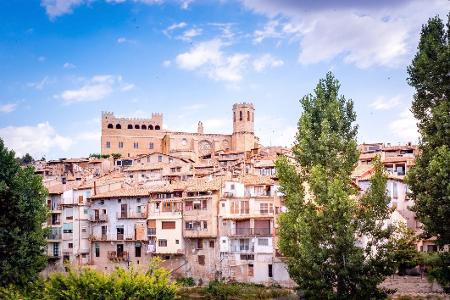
(22, 213)
(332, 236)
(429, 180)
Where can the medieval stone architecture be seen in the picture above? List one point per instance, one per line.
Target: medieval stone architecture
(131, 136)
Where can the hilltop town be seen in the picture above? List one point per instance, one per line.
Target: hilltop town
(207, 204)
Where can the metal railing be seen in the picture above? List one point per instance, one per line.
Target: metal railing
(251, 231)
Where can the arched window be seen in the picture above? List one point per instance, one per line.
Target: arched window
(143, 127)
(118, 126)
(110, 126)
(234, 116)
(136, 126)
(240, 115)
(248, 115)
(253, 116)
(157, 127)
(130, 126)
(150, 127)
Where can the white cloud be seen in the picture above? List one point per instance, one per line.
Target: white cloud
(88, 136)
(41, 84)
(37, 140)
(266, 61)
(366, 33)
(94, 89)
(56, 8)
(8, 107)
(185, 3)
(173, 27)
(383, 103)
(167, 63)
(209, 58)
(189, 34)
(69, 65)
(122, 40)
(405, 127)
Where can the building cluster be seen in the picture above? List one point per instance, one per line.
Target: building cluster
(207, 204)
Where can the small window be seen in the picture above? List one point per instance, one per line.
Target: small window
(150, 127)
(70, 245)
(136, 126)
(135, 145)
(119, 200)
(269, 269)
(250, 270)
(130, 126)
(248, 116)
(168, 225)
(201, 260)
(118, 126)
(211, 244)
(157, 127)
(159, 158)
(263, 242)
(240, 115)
(144, 127)
(137, 250)
(162, 243)
(102, 202)
(97, 250)
(177, 242)
(121, 145)
(151, 146)
(108, 145)
(110, 126)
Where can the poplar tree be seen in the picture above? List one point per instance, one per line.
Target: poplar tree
(332, 234)
(22, 215)
(429, 179)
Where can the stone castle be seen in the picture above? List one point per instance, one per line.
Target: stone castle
(131, 136)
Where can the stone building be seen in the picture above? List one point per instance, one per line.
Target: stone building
(131, 137)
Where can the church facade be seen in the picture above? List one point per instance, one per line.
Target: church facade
(133, 136)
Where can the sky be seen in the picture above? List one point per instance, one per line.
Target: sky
(63, 62)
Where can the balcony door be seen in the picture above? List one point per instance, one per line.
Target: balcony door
(123, 210)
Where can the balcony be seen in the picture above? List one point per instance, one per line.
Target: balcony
(198, 233)
(55, 207)
(251, 232)
(118, 256)
(242, 248)
(132, 215)
(53, 222)
(98, 218)
(54, 236)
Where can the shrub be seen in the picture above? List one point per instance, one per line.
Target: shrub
(186, 281)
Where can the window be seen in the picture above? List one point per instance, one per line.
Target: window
(157, 127)
(168, 225)
(144, 127)
(162, 243)
(102, 202)
(234, 116)
(211, 244)
(240, 115)
(263, 242)
(67, 228)
(118, 126)
(248, 116)
(110, 126)
(177, 242)
(159, 158)
(130, 126)
(250, 270)
(108, 145)
(84, 230)
(244, 207)
(70, 245)
(270, 270)
(244, 245)
(150, 127)
(119, 200)
(247, 257)
(150, 146)
(136, 126)
(137, 250)
(199, 244)
(135, 145)
(201, 260)
(120, 144)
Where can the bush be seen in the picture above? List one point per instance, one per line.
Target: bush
(221, 290)
(186, 281)
(438, 265)
(121, 284)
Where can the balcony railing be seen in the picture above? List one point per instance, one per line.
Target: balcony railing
(98, 218)
(118, 256)
(132, 215)
(252, 232)
(54, 236)
(242, 248)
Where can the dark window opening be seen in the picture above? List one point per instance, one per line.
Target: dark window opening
(270, 271)
(110, 126)
(118, 126)
(157, 127)
(240, 116)
(136, 126)
(130, 126)
(248, 116)
(150, 127)
(144, 127)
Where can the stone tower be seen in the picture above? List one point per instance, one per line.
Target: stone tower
(243, 138)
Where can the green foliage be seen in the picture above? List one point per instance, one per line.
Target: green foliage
(438, 268)
(238, 290)
(404, 249)
(98, 155)
(119, 285)
(186, 281)
(25, 160)
(319, 232)
(23, 210)
(116, 155)
(429, 180)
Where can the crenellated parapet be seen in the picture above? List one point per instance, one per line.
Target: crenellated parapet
(109, 121)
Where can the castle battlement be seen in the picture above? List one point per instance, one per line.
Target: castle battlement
(243, 105)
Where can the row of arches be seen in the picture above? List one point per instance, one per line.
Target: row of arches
(137, 126)
(250, 116)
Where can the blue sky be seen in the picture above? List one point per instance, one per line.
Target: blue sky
(62, 62)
